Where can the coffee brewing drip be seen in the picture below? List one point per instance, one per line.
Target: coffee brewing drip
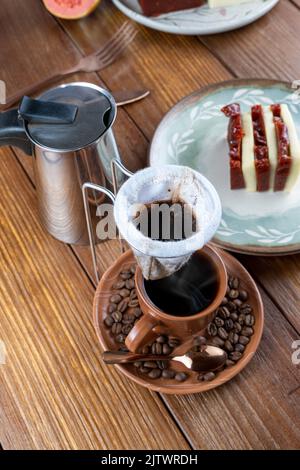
(159, 259)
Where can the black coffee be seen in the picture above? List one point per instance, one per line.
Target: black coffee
(188, 291)
(166, 221)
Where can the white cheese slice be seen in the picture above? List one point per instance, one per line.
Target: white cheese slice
(225, 3)
(271, 142)
(248, 161)
(294, 147)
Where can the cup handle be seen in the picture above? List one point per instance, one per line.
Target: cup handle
(141, 334)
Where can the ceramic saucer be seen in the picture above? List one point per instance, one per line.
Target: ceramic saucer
(191, 385)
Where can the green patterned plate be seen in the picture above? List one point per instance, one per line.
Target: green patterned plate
(194, 133)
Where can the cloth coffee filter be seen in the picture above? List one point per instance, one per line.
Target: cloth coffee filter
(159, 259)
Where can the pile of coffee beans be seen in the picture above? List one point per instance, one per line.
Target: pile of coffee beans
(123, 309)
(232, 327)
(230, 330)
(122, 313)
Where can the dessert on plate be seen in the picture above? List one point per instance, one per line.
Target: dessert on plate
(264, 148)
(158, 7)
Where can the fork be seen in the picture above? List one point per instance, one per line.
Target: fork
(94, 62)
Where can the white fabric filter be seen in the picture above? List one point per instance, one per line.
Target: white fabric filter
(159, 259)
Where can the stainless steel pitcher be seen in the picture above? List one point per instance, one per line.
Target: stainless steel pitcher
(68, 132)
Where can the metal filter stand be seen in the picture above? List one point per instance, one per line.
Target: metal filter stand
(101, 189)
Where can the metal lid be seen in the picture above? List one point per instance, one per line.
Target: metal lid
(96, 111)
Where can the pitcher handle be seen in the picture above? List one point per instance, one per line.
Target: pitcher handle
(116, 164)
(107, 192)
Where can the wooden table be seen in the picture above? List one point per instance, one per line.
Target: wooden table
(55, 391)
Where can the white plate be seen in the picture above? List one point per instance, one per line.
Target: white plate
(201, 20)
(194, 133)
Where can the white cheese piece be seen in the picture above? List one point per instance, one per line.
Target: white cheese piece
(248, 161)
(225, 3)
(294, 147)
(271, 142)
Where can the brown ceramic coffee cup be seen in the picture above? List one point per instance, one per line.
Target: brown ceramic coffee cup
(155, 320)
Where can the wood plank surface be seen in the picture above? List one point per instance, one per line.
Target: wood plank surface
(255, 410)
(55, 391)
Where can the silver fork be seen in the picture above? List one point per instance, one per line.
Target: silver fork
(94, 62)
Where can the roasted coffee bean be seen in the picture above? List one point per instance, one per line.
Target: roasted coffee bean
(161, 339)
(247, 331)
(227, 290)
(162, 364)
(181, 376)
(242, 319)
(235, 283)
(208, 377)
(237, 327)
(119, 285)
(230, 363)
(132, 269)
(146, 349)
(120, 338)
(115, 298)
(166, 350)
(133, 303)
(249, 320)
(239, 347)
(246, 309)
(223, 313)
(125, 275)
(234, 316)
(122, 306)
(243, 295)
(128, 319)
(117, 316)
(112, 308)
(168, 374)
(154, 374)
(219, 322)
(129, 284)
(124, 293)
(137, 312)
(212, 329)
(216, 341)
(233, 337)
(133, 294)
(231, 306)
(244, 340)
(109, 321)
(144, 370)
(224, 301)
(126, 329)
(199, 341)
(235, 356)
(116, 328)
(222, 333)
(138, 364)
(228, 324)
(150, 364)
(238, 303)
(173, 342)
(233, 294)
(156, 348)
(228, 346)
